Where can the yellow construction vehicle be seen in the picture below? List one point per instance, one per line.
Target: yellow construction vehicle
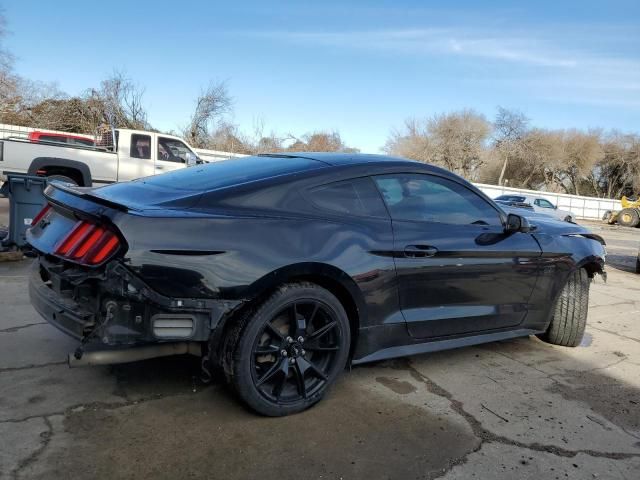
(629, 216)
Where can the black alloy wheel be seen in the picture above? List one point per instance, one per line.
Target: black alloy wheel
(291, 350)
(292, 358)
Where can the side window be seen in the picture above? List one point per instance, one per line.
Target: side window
(172, 150)
(429, 198)
(357, 197)
(140, 146)
(541, 202)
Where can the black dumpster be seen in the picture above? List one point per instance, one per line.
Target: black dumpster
(26, 199)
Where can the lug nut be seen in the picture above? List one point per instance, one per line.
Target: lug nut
(302, 352)
(301, 339)
(292, 360)
(289, 339)
(283, 353)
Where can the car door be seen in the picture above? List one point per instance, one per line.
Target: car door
(171, 154)
(458, 271)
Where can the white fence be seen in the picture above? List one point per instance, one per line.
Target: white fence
(583, 207)
(216, 155)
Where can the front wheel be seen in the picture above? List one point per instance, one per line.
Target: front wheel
(282, 358)
(570, 313)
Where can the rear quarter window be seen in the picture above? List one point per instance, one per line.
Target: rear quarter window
(355, 197)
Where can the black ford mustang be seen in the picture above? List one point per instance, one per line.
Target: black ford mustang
(281, 269)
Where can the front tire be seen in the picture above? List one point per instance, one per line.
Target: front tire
(283, 357)
(570, 313)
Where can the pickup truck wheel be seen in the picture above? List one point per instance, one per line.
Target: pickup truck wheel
(570, 313)
(61, 178)
(287, 353)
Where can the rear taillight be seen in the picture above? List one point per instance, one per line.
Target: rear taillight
(88, 244)
(40, 215)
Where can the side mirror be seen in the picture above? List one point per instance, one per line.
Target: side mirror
(191, 158)
(516, 223)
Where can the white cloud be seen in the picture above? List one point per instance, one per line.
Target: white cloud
(434, 41)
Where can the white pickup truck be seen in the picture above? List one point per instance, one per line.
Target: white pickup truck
(136, 154)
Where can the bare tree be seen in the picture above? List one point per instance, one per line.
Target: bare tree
(319, 141)
(8, 80)
(211, 105)
(122, 101)
(412, 142)
(454, 140)
(618, 173)
(510, 128)
(581, 152)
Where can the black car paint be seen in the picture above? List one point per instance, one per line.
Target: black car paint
(211, 252)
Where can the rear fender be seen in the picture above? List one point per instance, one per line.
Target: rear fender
(308, 271)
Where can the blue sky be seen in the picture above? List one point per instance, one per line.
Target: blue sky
(359, 67)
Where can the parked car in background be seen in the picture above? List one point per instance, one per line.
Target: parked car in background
(136, 154)
(539, 205)
(282, 269)
(64, 138)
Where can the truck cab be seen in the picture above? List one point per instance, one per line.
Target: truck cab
(142, 153)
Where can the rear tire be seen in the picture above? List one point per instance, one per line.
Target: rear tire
(570, 312)
(283, 357)
(629, 217)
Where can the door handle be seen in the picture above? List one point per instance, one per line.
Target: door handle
(416, 251)
(159, 167)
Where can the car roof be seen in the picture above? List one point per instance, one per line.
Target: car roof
(339, 159)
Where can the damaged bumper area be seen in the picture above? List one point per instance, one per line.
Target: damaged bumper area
(116, 308)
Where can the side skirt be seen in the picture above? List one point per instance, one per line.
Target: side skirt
(447, 344)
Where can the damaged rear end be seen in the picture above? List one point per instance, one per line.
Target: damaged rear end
(81, 285)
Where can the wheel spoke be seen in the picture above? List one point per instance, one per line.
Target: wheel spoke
(314, 347)
(273, 370)
(313, 314)
(299, 373)
(274, 331)
(267, 349)
(322, 331)
(305, 365)
(283, 373)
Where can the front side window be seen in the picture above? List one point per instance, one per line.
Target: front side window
(140, 146)
(358, 197)
(541, 202)
(429, 198)
(172, 150)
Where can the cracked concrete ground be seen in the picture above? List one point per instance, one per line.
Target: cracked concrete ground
(514, 409)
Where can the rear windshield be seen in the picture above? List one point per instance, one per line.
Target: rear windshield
(223, 174)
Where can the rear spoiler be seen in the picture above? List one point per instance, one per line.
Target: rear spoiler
(78, 197)
(76, 202)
